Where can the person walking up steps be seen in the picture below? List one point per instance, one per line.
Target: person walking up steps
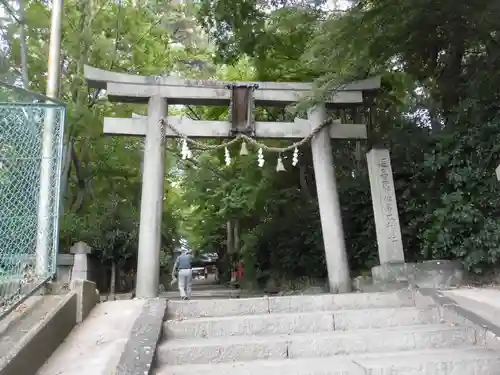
(183, 269)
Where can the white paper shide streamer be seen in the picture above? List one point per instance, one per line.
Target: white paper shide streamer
(295, 159)
(227, 156)
(185, 151)
(260, 158)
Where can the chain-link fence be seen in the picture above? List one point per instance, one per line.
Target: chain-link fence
(31, 140)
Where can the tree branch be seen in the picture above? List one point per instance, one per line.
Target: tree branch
(78, 200)
(196, 117)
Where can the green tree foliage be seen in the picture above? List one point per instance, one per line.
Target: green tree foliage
(103, 174)
(437, 112)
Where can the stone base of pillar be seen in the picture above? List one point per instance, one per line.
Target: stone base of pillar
(393, 273)
(438, 274)
(87, 297)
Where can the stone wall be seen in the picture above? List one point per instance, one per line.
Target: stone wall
(95, 271)
(438, 274)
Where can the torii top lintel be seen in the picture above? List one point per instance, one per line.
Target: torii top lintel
(122, 87)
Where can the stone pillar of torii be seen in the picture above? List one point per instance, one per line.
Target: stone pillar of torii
(160, 92)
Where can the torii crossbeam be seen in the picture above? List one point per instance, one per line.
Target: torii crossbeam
(159, 92)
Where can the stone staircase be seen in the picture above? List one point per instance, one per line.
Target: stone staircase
(203, 289)
(349, 334)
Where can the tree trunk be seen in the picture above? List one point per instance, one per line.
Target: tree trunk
(112, 283)
(230, 237)
(236, 237)
(65, 174)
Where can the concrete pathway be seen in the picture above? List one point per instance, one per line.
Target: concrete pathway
(484, 302)
(203, 289)
(94, 347)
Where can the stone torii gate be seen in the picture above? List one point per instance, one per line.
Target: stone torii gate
(159, 92)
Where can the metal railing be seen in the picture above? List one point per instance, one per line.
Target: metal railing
(31, 142)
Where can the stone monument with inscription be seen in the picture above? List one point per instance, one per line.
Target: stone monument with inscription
(393, 271)
(390, 245)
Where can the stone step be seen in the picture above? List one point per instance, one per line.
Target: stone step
(463, 361)
(200, 285)
(244, 348)
(288, 304)
(341, 320)
(19, 325)
(174, 295)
